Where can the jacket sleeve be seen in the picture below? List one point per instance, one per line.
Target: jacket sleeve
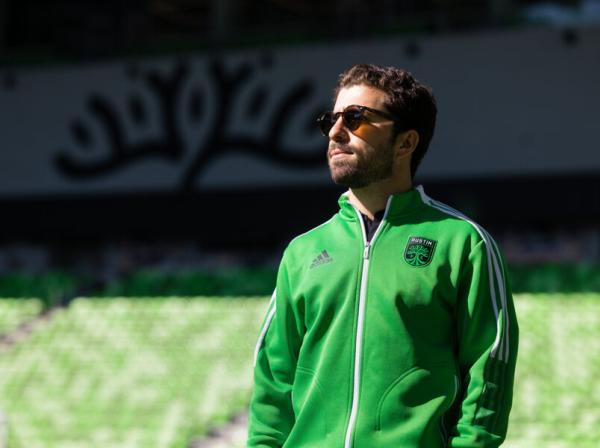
(487, 349)
(271, 414)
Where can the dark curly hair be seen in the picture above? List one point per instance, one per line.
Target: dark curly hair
(408, 99)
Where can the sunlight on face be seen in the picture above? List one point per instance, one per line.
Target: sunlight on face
(365, 155)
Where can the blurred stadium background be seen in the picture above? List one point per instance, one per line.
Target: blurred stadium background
(157, 156)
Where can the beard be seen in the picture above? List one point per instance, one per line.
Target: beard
(360, 169)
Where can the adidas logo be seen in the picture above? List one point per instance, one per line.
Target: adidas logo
(322, 258)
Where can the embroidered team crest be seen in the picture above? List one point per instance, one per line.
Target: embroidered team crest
(419, 251)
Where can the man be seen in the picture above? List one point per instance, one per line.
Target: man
(392, 324)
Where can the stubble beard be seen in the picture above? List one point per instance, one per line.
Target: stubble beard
(362, 171)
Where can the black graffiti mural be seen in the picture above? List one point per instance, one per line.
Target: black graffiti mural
(226, 85)
(119, 154)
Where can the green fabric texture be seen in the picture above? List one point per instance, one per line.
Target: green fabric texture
(407, 341)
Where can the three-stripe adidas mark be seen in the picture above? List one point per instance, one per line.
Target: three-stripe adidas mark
(322, 258)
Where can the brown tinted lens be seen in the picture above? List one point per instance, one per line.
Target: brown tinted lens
(352, 117)
(325, 122)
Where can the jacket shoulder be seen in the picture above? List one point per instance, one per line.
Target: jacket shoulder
(457, 223)
(316, 234)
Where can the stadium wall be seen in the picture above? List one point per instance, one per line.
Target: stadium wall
(166, 146)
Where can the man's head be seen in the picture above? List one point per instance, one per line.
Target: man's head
(400, 123)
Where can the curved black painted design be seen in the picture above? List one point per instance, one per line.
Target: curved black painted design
(226, 86)
(120, 154)
(219, 141)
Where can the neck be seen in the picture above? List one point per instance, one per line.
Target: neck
(372, 198)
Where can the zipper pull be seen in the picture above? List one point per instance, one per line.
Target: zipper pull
(367, 251)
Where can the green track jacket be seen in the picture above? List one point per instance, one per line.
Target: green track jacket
(406, 341)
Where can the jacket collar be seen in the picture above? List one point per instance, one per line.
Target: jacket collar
(397, 204)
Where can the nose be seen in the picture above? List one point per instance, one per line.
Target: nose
(338, 132)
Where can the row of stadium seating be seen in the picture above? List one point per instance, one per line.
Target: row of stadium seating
(557, 394)
(14, 312)
(57, 287)
(130, 373)
(161, 372)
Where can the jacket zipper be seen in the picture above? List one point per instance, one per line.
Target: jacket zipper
(360, 324)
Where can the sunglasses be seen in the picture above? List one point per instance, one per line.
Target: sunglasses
(352, 117)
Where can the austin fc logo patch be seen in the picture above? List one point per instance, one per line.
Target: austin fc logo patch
(419, 251)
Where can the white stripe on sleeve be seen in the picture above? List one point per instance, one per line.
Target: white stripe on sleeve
(495, 273)
(270, 314)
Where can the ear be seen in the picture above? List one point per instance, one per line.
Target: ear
(406, 142)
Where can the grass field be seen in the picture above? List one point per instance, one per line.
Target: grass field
(161, 372)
